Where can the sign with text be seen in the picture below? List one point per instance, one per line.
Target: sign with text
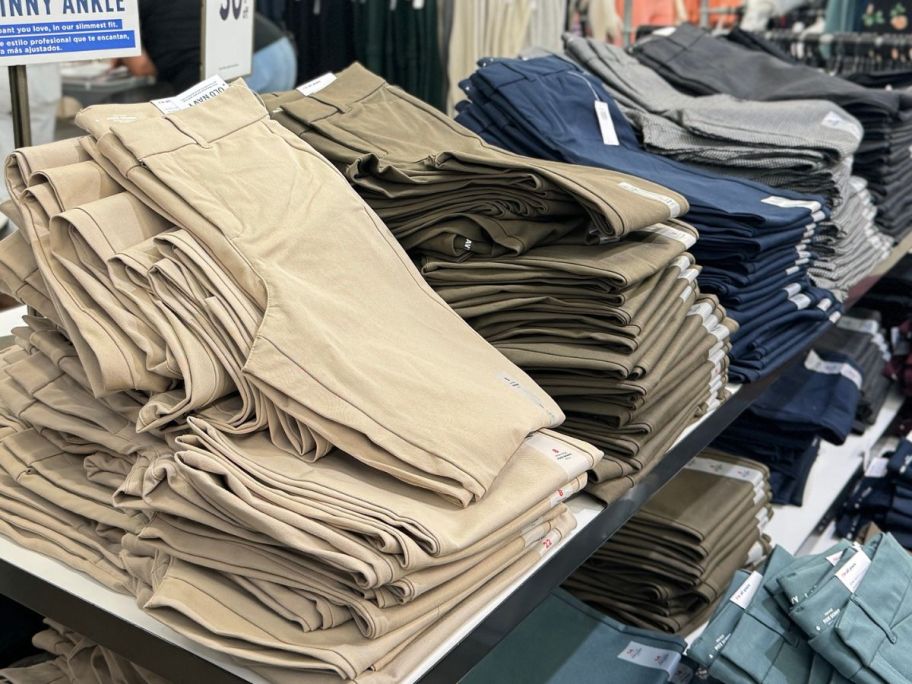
(227, 38)
(41, 31)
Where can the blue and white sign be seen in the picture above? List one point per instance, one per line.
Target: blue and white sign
(37, 31)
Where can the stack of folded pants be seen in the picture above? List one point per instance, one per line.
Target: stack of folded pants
(697, 63)
(883, 497)
(752, 240)
(860, 335)
(564, 640)
(226, 428)
(750, 637)
(667, 567)
(783, 427)
(835, 617)
(609, 322)
(72, 657)
(802, 145)
(890, 296)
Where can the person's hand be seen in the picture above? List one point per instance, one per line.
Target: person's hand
(140, 65)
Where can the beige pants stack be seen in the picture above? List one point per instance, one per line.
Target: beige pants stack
(669, 565)
(301, 457)
(605, 315)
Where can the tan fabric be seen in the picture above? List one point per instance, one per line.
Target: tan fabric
(342, 394)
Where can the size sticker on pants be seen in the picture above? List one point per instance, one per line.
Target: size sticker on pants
(746, 592)
(669, 202)
(573, 461)
(814, 363)
(853, 572)
(841, 123)
(650, 656)
(724, 469)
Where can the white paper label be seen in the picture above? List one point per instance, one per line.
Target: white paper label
(852, 573)
(877, 468)
(690, 274)
(793, 289)
(548, 542)
(606, 125)
(573, 461)
(791, 270)
(785, 203)
(862, 325)
(745, 593)
(567, 491)
(723, 469)
(835, 316)
(683, 263)
(833, 558)
(684, 238)
(835, 120)
(825, 304)
(686, 294)
(316, 84)
(814, 363)
(801, 300)
(650, 656)
(669, 202)
(205, 90)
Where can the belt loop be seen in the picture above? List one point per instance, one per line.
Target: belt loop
(189, 132)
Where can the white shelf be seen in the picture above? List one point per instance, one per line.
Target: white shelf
(90, 591)
(11, 318)
(792, 526)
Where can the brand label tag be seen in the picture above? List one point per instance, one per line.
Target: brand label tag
(317, 84)
(205, 90)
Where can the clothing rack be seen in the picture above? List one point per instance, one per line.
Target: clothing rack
(846, 53)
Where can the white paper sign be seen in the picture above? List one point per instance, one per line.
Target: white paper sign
(227, 38)
(43, 31)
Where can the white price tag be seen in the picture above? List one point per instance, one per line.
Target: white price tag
(833, 558)
(606, 125)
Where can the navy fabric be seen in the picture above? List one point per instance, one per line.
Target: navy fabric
(753, 239)
(784, 426)
(885, 501)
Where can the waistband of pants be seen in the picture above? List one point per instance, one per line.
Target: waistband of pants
(204, 123)
(352, 84)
